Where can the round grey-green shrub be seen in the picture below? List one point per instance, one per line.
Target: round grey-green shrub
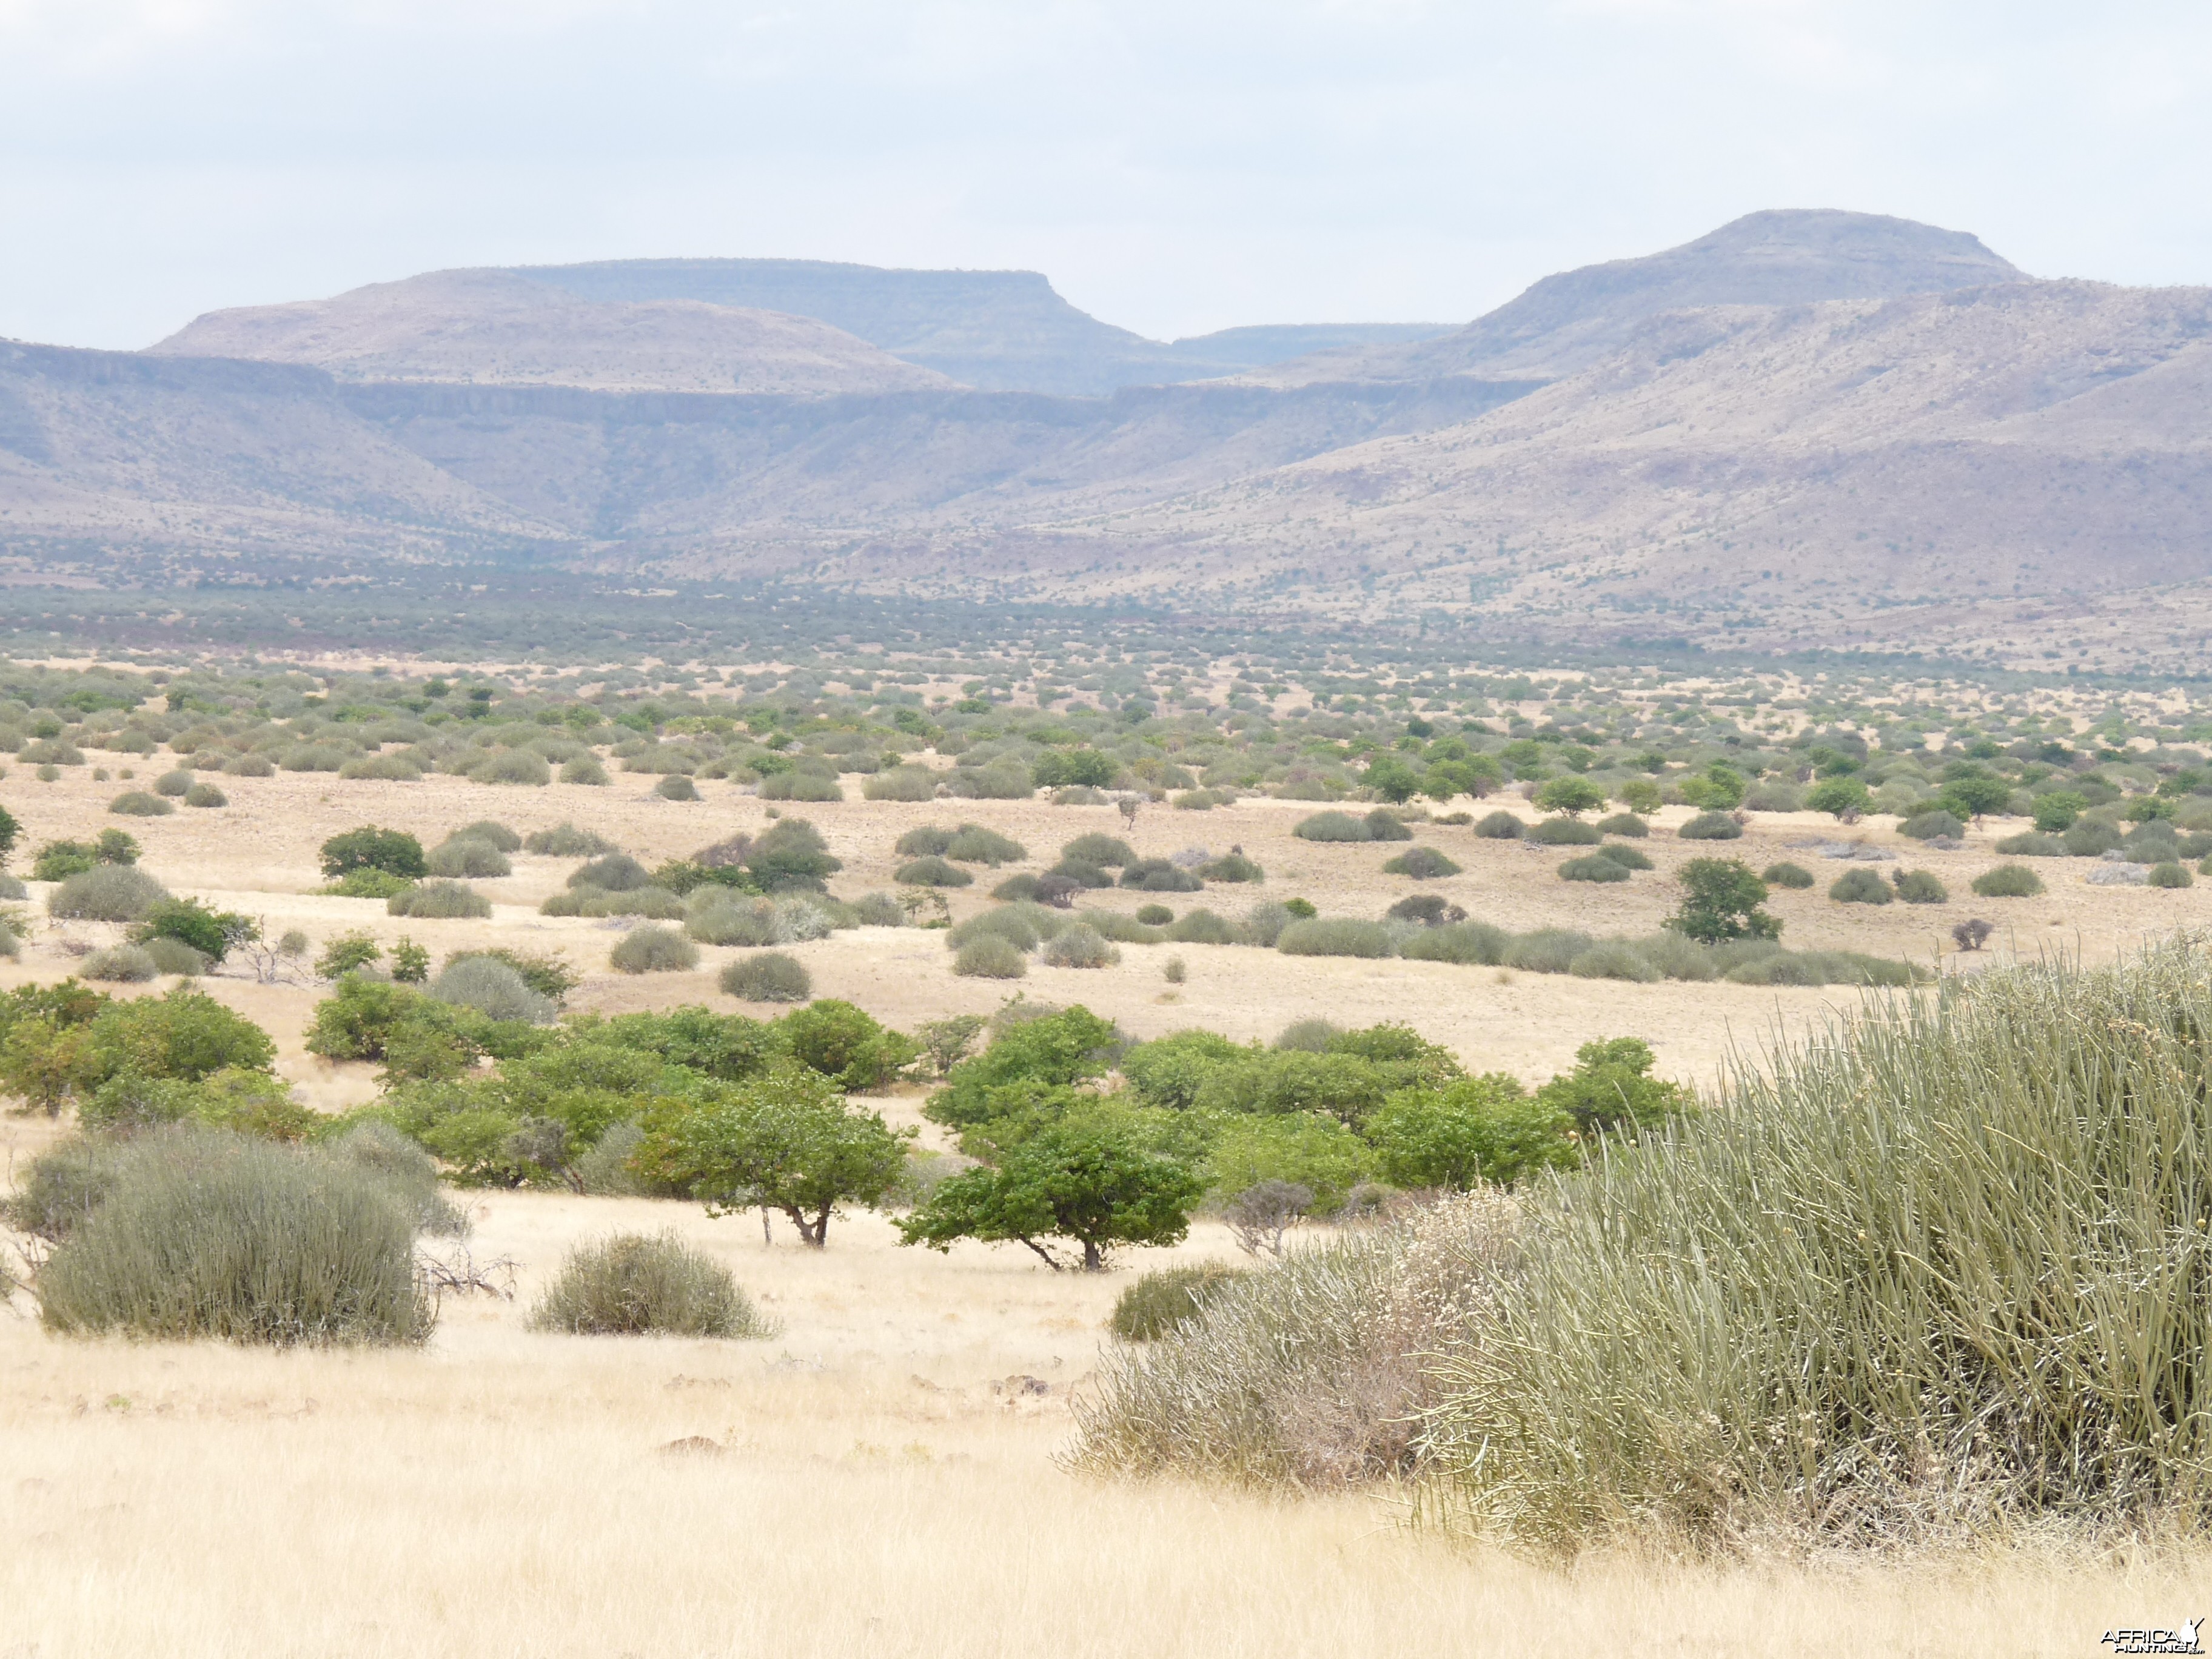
(2008, 881)
(614, 872)
(768, 977)
(107, 893)
(1921, 887)
(878, 910)
(1711, 826)
(901, 783)
(1786, 875)
(584, 769)
(1932, 825)
(635, 1285)
(12, 888)
(209, 1235)
(1309, 1036)
(933, 871)
(1337, 936)
(1595, 867)
(1859, 886)
(469, 857)
(1332, 826)
(676, 786)
(205, 794)
(526, 767)
(989, 955)
(1500, 825)
(120, 963)
(1421, 863)
(1078, 947)
(491, 832)
(1563, 831)
(492, 989)
(140, 803)
(173, 783)
(1624, 824)
(719, 915)
(1628, 858)
(173, 955)
(2171, 873)
(799, 786)
(1612, 962)
(439, 899)
(654, 950)
(249, 766)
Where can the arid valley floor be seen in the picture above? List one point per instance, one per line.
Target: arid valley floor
(880, 1477)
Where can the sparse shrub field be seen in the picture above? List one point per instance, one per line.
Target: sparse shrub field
(685, 1012)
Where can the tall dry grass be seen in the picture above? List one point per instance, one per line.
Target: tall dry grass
(1942, 1272)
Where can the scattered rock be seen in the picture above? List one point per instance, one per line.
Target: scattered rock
(1017, 1385)
(2119, 875)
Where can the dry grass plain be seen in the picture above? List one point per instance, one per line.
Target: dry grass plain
(875, 1486)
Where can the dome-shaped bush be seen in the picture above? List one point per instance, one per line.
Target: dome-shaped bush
(769, 976)
(492, 989)
(654, 950)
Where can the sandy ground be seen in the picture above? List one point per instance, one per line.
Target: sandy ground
(881, 1481)
(258, 855)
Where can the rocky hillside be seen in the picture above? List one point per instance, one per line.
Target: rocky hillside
(492, 328)
(1807, 429)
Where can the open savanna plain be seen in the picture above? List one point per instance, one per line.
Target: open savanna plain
(881, 1474)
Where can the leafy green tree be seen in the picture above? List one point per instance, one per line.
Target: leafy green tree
(1721, 900)
(2056, 810)
(1479, 1128)
(1478, 775)
(393, 851)
(1090, 1181)
(213, 934)
(1974, 794)
(1571, 795)
(186, 1034)
(1039, 1056)
(1391, 779)
(410, 962)
(1845, 798)
(1169, 1071)
(1721, 789)
(1301, 1148)
(1058, 768)
(847, 1044)
(1612, 1088)
(46, 1061)
(791, 855)
(10, 833)
(347, 951)
(1640, 796)
(787, 1141)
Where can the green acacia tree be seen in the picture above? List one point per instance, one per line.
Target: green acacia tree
(787, 1140)
(791, 855)
(1842, 798)
(1721, 900)
(1571, 795)
(1479, 1128)
(1089, 1180)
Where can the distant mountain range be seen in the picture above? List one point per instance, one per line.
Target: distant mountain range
(1806, 428)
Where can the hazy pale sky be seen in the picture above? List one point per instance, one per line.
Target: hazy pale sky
(1173, 167)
